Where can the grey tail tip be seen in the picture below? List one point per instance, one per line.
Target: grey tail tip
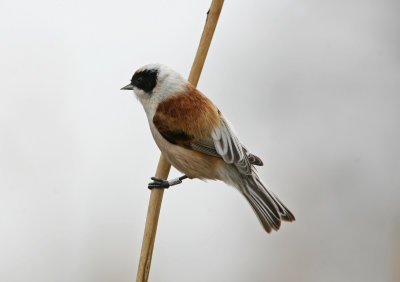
(266, 205)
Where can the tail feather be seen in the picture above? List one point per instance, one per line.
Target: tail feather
(268, 208)
(284, 212)
(266, 217)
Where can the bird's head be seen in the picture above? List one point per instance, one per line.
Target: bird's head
(155, 82)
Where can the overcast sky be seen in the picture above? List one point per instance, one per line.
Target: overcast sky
(312, 87)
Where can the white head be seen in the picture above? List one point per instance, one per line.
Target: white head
(153, 83)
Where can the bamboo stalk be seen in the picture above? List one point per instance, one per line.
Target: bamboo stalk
(163, 167)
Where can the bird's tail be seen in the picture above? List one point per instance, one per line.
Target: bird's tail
(268, 208)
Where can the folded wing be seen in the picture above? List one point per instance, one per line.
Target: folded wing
(192, 121)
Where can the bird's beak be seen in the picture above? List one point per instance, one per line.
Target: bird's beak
(128, 87)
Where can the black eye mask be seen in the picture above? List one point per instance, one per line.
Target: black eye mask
(145, 80)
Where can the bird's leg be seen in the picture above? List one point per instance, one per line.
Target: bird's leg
(160, 183)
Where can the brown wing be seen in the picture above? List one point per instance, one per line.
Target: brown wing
(186, 117)
(191, 120)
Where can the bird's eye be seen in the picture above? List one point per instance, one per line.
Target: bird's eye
(145, 80)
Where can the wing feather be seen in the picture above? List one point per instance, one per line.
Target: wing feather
(230, 149)
(205, 147)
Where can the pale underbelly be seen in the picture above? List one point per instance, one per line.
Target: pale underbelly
(192, 163)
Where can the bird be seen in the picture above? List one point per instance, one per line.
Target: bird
(196, 138)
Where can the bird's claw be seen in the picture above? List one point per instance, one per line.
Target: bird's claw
(158, 183)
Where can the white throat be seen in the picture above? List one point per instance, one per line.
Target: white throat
(169, 84)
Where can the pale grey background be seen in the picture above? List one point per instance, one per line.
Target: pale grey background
(312, 87)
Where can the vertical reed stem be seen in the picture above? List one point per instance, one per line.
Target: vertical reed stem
(163, 167)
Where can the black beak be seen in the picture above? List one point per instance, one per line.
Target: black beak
(128, 87)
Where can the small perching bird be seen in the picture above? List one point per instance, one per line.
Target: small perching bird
(198, 140)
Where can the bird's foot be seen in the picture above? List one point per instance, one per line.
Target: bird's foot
(160, 183)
